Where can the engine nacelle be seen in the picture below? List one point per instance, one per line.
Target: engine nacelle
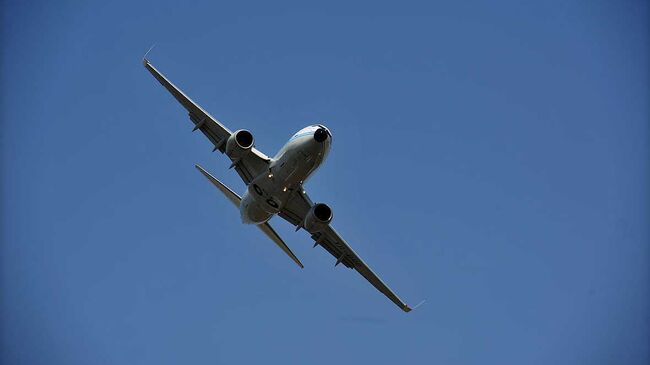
(239, 144)
(318, 217)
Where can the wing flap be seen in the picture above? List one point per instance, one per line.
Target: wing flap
(248, 167)
(334, 249)
(212, 128)
(295, 211)
(358, 264)
(211, 133)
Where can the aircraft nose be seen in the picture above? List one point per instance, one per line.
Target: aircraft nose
(321, 135)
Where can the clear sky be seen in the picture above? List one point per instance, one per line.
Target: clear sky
(489, 158)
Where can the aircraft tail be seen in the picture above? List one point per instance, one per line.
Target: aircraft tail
(265, 227)
(231, 195)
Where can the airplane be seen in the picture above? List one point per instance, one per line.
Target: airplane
(275, 185)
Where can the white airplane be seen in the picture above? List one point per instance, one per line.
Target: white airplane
(275, 185)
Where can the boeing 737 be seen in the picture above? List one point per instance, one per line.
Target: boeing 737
(275, 185)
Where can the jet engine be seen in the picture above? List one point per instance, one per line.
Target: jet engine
(318, 217)
(239, 143)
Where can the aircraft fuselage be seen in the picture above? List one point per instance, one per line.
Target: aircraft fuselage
(289, 169)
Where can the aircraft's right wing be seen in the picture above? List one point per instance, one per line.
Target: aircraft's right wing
(295, 210)
(248, 167)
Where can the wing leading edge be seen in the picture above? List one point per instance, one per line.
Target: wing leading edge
(295, 211)
(250, 166)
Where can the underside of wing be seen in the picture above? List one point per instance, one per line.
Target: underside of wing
(295, 211)
(249, 166)
(216, 132)
(337, 246)
(254, 163)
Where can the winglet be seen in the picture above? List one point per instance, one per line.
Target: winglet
(408, 309)
(145, 61)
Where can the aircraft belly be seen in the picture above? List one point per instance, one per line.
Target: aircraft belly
(269, 191)
(251, 210)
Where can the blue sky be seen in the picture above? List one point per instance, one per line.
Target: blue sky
(489, 158)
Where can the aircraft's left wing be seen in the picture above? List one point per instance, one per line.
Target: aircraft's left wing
(248, 167)
(295, 210)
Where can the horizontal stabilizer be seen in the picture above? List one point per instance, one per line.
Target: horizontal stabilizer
(265, 227)
(270, 232)
(231, 195)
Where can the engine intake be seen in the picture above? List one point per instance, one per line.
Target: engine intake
(239, 143)
(319, 216)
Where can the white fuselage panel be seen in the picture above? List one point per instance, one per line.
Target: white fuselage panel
(289, 169)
